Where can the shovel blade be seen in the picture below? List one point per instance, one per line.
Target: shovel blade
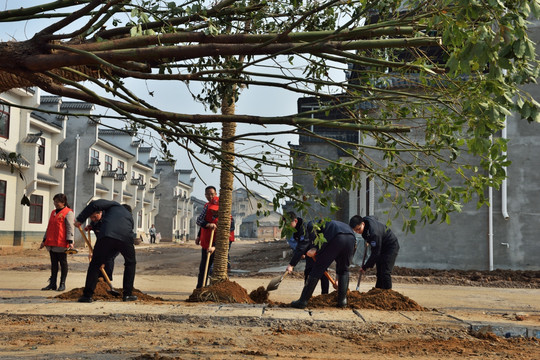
(274, 283)
(114, 292)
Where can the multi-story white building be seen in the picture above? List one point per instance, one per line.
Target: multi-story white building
(106, 164)
(37, 173)
(175, 206)
(62, 149)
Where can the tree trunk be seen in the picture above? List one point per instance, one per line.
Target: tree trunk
(225, 193)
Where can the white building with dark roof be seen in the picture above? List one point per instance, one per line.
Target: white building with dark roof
(37, 173)
(175, 206)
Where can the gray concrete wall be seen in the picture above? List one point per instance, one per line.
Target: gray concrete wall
(465, 242)
(306, 180)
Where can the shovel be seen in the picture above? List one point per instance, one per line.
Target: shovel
(112, 291)
(274, 283)
(208, 257)
(331, 279)
(88, 243)
(328, 276)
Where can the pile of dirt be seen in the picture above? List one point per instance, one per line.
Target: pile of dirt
(221, 292)
(260, 295)
(376, 299)
(102, 293)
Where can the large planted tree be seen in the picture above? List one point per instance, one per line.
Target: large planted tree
(462, 63)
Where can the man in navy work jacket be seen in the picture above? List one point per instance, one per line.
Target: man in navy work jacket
(339, 246)
(302, 244)
(115, 235)
(384, 248)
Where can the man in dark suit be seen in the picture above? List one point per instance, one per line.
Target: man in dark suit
(115, 235)
(339, 246)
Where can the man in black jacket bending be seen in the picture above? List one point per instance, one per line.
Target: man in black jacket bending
(384, 247)
(115, 235)
(303, 244)
(339, 246)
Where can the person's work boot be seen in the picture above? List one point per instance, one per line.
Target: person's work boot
(130, 298)
(51, 286)
(63, 277)
(85, 299)
(307, 291)
(343, 287)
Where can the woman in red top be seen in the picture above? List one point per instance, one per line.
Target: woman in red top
(58, 238)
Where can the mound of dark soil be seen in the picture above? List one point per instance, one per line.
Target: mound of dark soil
(376, 299)
(102, 293)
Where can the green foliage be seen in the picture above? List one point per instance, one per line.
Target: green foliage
(430, 86)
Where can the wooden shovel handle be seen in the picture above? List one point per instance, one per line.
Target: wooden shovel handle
(208, 257)
(105, 276)
(334, 284)
(86, 240)
(330, 278)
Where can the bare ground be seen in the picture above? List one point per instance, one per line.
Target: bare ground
(192, 335)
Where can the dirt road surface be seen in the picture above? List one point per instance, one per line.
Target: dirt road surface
(470, 315)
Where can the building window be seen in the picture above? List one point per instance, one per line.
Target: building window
(108, 163)
(3, 187)
(41, 151)
(120, 166)
(94, 157)
(4, 121)
(36, 209)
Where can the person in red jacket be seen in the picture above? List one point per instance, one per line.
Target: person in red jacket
(58, 238)
(207, 221)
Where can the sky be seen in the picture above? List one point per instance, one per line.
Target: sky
(175, 97)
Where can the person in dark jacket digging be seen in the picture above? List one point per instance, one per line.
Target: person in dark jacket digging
(115, 235)
(339, 246)
(302, 245)
(384, 248)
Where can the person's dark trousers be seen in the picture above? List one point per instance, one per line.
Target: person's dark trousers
(385, 265)
(104, 250)
(202, 265)
(325, 284)
(62, 260)
(109, 266)
(152, 239)
(58, 258)
(340, 248)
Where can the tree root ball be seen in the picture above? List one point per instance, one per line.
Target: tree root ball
(222, 292)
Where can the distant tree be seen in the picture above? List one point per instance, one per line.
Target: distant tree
(467, 60)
